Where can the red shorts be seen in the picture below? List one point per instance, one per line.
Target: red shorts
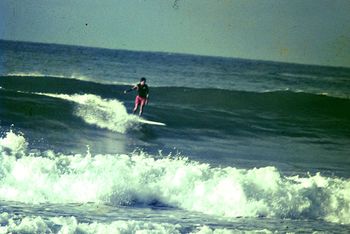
(140, 101)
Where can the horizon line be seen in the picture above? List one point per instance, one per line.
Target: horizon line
(178, 53)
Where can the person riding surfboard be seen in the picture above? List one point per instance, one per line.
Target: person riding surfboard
(142, 95)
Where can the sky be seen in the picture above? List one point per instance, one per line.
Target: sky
(296, 31)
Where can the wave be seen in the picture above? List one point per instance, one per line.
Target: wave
(138, 178)
(297, 75)
(227, 110)
(38, 224)
(178, 95)
(112, 114)
(53, 84)
(73, 76)
(59, 83)
(104, 113)
(39, 74)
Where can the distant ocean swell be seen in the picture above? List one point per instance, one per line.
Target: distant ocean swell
(37, 177)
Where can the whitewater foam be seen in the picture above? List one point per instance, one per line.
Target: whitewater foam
(73, 76)
(37, 224)
(138, 178)
(39, 74)
(109, 114)
(14, 143)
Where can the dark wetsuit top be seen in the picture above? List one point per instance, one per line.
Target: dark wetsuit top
(142, 90)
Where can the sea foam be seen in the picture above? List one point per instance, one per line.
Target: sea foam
(109, 114)
(37, 224)
(139, 178)
(15, 143)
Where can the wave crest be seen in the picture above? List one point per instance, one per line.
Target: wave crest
(109, 114)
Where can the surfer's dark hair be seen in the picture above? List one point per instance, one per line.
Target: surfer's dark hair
(143, 79)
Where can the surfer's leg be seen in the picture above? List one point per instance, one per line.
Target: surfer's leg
(136, 105)
(135, 108)
(141, 109)
(142, 105)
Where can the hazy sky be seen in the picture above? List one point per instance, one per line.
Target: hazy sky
(301, 31)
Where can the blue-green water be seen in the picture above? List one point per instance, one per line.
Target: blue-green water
(248, 146)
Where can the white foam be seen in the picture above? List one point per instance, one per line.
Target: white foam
(15, 143)
(26, 74)
(207, 230)
(73, 76)
(37, 224)
(39, 74)
(139, 178)
(109, 114)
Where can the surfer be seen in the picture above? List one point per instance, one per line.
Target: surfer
(142, 95)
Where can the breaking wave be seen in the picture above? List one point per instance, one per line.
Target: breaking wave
(138, 178)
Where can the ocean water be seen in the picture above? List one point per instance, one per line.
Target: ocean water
(248, 146)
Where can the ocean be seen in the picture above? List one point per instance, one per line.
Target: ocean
(248, 147)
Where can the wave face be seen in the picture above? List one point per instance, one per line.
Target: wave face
(104, 106)
(253, 122)
(135, 179)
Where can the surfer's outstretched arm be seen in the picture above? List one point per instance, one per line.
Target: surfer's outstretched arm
(131, 89)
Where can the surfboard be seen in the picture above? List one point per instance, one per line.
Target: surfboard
(144, 121)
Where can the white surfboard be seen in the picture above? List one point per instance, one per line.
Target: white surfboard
(141, 120)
